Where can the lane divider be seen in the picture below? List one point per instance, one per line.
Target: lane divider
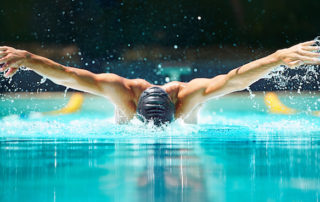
(275, 106)
(74, 105)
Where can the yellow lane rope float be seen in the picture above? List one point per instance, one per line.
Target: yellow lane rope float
(73, 105)
(275, 106)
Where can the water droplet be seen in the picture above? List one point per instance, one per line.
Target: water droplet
(65, 92)
(43, 80)
(252, 95)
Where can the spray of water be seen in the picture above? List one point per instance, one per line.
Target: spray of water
(65, 92)
(283, 77)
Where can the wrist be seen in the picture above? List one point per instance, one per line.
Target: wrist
(276, 58)
(28, 58)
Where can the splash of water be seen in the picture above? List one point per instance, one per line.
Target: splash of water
(44, 79)
(282, 76)
(65, 92)
(251, 94)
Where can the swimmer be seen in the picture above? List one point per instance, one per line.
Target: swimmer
(162, 104)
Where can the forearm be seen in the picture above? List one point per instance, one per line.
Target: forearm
(68, 76)
(300, 54)
(247, 74)
(107, 85)
(46, 67)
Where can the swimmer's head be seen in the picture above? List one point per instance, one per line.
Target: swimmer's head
(155, 104)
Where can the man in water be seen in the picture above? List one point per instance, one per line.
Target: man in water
(164, 103)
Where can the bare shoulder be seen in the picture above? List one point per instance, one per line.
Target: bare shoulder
(195, 86)
(121, 91)
(173, 86)
(190, 95)
(137, 86)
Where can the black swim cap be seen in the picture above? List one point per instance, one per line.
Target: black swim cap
(155, 104)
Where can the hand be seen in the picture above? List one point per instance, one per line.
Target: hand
(300, 54)
(11, 59)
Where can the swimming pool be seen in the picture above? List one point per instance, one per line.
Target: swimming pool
(237, 152)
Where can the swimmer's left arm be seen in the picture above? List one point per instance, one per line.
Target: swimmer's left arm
(202, 89)
(242, 77)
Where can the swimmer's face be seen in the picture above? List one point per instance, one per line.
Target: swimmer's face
(155, 105)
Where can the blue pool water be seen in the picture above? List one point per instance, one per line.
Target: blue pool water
(237, 152)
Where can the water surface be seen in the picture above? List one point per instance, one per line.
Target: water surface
(231, 155)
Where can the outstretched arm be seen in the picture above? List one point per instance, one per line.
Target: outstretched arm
(201, 89)
(108, 85)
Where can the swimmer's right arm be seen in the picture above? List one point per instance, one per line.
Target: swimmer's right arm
(109, 85)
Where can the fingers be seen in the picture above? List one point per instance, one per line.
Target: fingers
(4, 68)
(309, 53)
(5, 62)
(308, 43)
(4, 59)
(4, 48)
(7, 65)
(3, 54)
(11, 72)
(3, 51)
(310, 48)
(309, 60)
(10, 58)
